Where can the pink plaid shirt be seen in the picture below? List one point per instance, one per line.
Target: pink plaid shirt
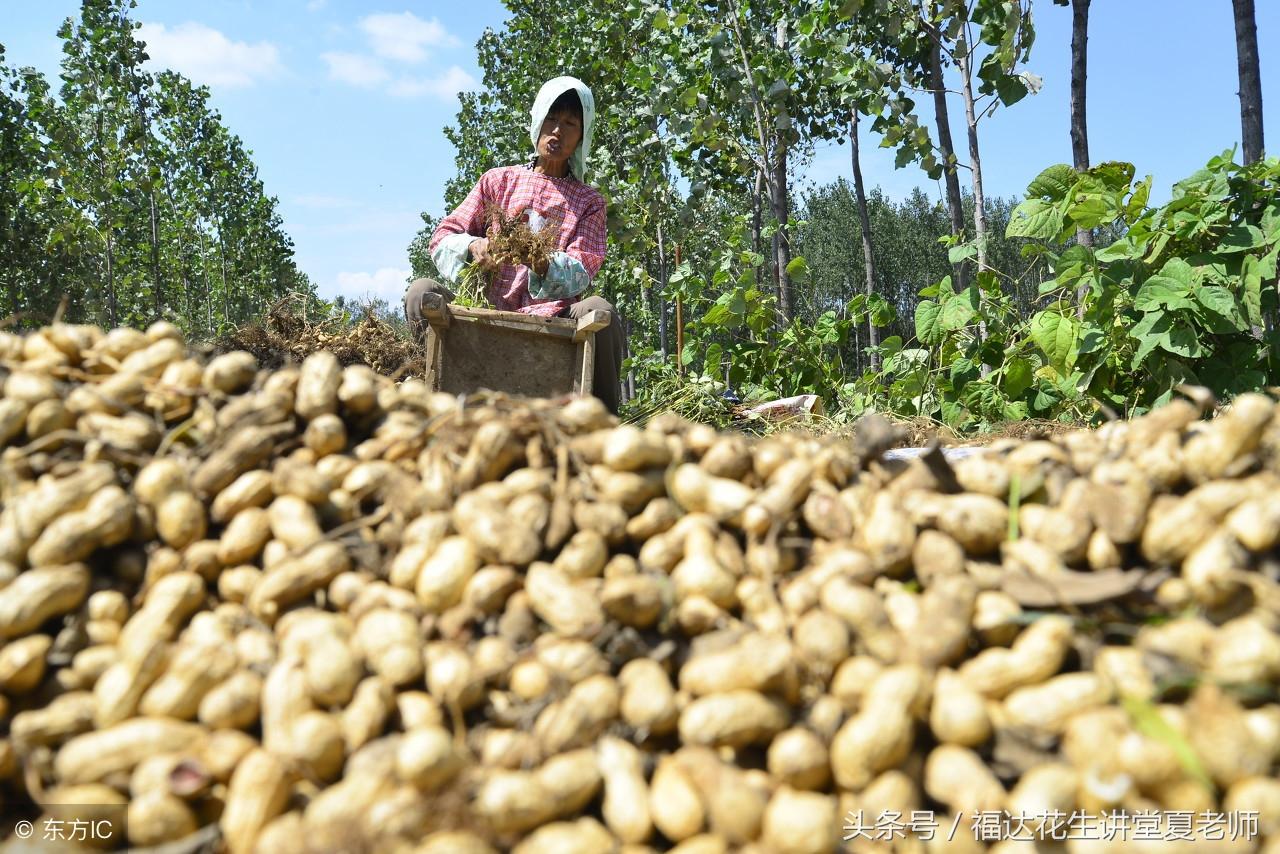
(580, 209)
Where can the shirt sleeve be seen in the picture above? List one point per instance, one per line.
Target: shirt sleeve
(453, 236)
(571, 270)
(451, 254)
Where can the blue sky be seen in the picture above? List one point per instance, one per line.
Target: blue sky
(343, 103)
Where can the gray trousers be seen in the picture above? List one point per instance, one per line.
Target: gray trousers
(610, 342)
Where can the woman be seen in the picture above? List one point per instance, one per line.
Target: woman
(549, 192)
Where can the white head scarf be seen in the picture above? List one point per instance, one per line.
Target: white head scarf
(547, 95)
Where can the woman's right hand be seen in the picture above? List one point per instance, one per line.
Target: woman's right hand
(480, 256)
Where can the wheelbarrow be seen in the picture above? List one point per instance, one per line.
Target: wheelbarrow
(469, 349)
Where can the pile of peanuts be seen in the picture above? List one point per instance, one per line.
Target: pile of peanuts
(313, 609)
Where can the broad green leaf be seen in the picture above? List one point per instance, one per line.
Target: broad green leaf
(1035, 218)
(928, 322)
(963, 252)
(1056, 335)
(1093, 211)
(984, 397)
(1221, 302)
(958, 312)
(1150, 331)
(1011, 90)
(1182, 340)
(963, 371)
(1017, 376)
(798, 269)
(1015, 411)
(1162, 292)
(1251, 289)
(1138, 201)
(1180, 271)
(882, 311)
(953, 413)
(1242, 238)
(1114, 174)
(718, 315)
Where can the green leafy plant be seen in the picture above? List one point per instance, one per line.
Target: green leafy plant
(1187, 294)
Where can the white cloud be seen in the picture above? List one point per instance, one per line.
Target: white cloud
(405, 37)
(207, 56)
(355, 69)
(445, 86)
(385, 282)
(316, 5)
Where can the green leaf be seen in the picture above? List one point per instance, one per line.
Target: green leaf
(1093, 211)
(1242, 238)
(1018, 376)
(1010, 89)
(1182, 340)
(798, 269)
(1179, 270)
(1035, 218)
(1115, 175)
(1162, 292)
(1138, 201)
(882, 311)
(963, 252)
(1251, 289)
(1221, 302)
(953, 413)
(928, 322)
(1015, 411)
(983, 397)
(1054, 183)
(1149, 332)
(958, 312)
(1056, 334)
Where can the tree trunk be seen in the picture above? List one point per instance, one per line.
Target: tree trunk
(873, 335)
(204, 274)
(955, 203)
(1079, 78)
(781, 241)
(975, 167)
(157, 283)
(113, 314)
(662, 295)
(757, 225)
(1250, 80)
(975, 163)
(226, 292)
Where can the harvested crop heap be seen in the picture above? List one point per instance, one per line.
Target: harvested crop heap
(287, 335)
(513, 241)
(315, 610)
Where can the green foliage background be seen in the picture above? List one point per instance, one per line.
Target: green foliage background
(125, 194)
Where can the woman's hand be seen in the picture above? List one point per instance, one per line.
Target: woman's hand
(480, 256)
(541, 266)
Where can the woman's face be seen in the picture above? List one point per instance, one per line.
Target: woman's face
(561, 132)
